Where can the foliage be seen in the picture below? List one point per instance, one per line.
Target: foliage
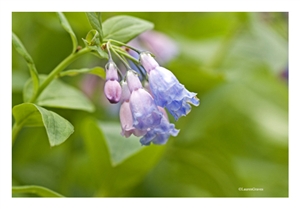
(236, 138)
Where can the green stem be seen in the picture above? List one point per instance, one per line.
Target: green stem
(15, 130)
(126, 54)
(122, 59)
(122, 44)
(68, 60)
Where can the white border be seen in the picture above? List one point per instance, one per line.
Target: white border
(7, 7)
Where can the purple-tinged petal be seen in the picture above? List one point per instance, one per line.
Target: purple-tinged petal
(159, 134)
(112, 91)
(127, 121)
(145, 112)
(133, 81)
(111, 71)
(169, 93)
(148, 61)
(125, 92)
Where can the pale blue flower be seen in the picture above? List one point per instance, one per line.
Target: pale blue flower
(166, 89)
(159, 134)
(144, 111)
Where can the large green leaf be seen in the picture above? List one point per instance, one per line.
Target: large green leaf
(124, 28)
(98, 154)
(118, 163)
(23, 52)
(64, 22)
(59, 95)
(58, 129)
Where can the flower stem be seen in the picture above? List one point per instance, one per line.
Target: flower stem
(121, 58)
(122, 44)
(121, 51)
(68, 60)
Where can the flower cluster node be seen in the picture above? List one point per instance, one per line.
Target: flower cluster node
(142, 111)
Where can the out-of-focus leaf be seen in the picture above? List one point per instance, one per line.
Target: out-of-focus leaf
(58, 129)
(98, 153)
(38, 190)
(99, 71)
(257, 43)
(19, 78)
(134, 169)
(23, 52)
(59, 95)
(120, 148)
(113, 164)
(64, 22)
(124, 28)
(96, 22)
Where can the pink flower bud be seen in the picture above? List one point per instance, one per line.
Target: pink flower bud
(111, 71)
(113, 91)
(112, 88)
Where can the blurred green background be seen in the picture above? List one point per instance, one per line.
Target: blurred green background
(236, 138)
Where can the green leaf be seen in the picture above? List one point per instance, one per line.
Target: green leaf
(98, 153)
(120, 148)
(58, 129)
(19, 78)
(64, 22)
(23, 52)
(99, 71)
(38, 190)
(59, 95)
(116, 160)
(96, 23)
(124, 28)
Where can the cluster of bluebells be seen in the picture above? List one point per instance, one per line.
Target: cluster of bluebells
(142, 110)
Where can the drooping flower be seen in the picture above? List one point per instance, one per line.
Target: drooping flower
(144, 111)
(126, 117)
(166, 89)
(112, 87)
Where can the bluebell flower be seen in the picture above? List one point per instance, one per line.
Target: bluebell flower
(166, 89)
(146, 119)
(160, 134)
(144, 111)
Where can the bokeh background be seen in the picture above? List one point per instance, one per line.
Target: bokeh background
(236, 138)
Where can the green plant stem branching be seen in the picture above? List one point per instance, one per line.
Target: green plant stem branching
(67, 61)
(122, 44)
(121, 51)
